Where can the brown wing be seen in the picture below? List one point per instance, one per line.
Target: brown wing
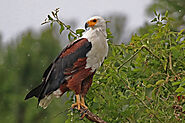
(57, 73)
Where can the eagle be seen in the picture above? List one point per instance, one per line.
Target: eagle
(75, 66)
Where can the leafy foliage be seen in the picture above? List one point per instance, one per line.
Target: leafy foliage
(54, 18)
(142, 81)
(176, 10)
(145, 88)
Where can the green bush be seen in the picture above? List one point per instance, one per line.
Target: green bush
(143, 81)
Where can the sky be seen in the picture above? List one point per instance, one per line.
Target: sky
(16, 16)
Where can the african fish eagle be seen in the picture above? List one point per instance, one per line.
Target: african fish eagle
(75, 66)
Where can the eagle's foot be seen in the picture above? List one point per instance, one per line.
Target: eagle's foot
(83, 113)
(79, 105)
(84, 106)
(83, 102)
(76, 104)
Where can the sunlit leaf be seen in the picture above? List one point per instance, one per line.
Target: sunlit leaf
(181, 32)
(154, 20)
(176, 83)
(80, 31)
(61, 28)
(159, 82)
(155, 12)
(180, 89)
(166, 13)
(50, 18)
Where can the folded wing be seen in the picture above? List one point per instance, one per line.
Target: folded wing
(55, 74)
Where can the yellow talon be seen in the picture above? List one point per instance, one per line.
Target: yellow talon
(78, 103)
(83, 102)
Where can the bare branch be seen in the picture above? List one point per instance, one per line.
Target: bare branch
(143, 47)
(90, 116)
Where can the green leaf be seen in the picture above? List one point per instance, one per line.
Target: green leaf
(183, 108)
(182, 83)
(170, 18)
(181, 32)
(163, 18)
(50, 18)
(69, 36)
(158, 16)
(182, 46)
(51, 24)
(149, 85)
(68, 26)
(165, 65)
(154, 20)
(109, 33)
(145, 35)
(159, 82)
(53, 14)
(155, 12)
(178, 38)
(166, 14)
(68, 120)
(176, 83)
(180, 89)
(61, 28)
(159, 22)
(80, 31)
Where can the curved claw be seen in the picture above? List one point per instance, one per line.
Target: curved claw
(79, 103)
(83, 113)
(83, 105)
(83, 102)
(76, 104)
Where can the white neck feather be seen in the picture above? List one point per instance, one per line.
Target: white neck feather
(90, 32)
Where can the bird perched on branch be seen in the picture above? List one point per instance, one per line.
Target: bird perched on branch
(75, 66)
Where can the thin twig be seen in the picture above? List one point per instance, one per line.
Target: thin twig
(130, 58)
(60, 22)
(150, 52)
(170, 65)
(155, 74)
(55, 18)
(145, 47)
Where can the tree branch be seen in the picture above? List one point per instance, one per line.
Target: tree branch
(55, 18)
(143, 47)
(90, 116)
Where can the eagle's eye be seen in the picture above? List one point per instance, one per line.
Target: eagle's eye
(94, 20)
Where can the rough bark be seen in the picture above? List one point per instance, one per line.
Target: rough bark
(90, 116)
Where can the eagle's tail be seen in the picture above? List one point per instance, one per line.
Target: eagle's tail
(46, 101)
(35, 92)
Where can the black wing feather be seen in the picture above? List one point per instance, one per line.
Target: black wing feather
(54, 74)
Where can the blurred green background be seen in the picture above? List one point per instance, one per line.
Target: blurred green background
(21, 66)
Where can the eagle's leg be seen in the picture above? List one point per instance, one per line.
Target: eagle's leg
(77, 102)
(83, 102)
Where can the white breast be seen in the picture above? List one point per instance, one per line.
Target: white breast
(99, 50)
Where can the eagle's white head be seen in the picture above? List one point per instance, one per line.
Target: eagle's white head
(96, 22)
